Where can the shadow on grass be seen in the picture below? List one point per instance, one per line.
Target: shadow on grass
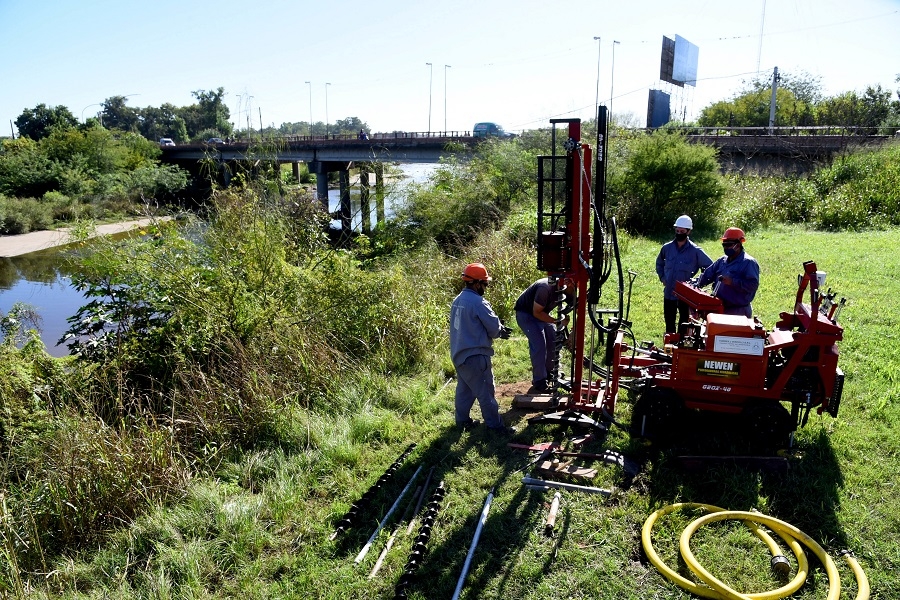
(728, 470)
(515, 514)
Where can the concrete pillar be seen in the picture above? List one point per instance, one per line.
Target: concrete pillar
(295, 167)
(379, 192)
(322, 189)
(345, 216)
(364, 209)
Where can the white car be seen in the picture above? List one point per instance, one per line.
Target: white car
(166, 142)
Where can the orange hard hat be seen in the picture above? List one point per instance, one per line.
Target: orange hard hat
(475, 272)
(733, 233)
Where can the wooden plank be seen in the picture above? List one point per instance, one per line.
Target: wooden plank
(542, 402)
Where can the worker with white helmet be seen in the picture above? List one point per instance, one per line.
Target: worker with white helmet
(678, 260)
(473, 328)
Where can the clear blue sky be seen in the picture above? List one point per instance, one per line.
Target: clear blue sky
(516, 62)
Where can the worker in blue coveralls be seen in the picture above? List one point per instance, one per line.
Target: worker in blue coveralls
(678, 260)
(736, 275)
(473, 328)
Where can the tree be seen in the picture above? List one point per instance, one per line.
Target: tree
(40, 122)
(209, 112)
(163, 122)
(116, 115)
(665, 176)
(795, 103)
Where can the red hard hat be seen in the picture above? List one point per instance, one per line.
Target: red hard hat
(733, 233)
(475, 272)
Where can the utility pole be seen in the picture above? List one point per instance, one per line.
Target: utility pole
(326, 110)
(597, 97)
(445, 98)
(430, 73)
(612, 76)
(309, 129)
(775, 78)
(260, 123)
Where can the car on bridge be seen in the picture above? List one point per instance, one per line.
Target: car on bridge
(166, 142)
(215, 140)
(488, 129)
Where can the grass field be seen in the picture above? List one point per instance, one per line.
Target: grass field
(262, 528)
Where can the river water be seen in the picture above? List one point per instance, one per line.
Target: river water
(42, 279)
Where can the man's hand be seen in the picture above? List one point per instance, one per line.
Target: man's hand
(725, 279)
(505, 332)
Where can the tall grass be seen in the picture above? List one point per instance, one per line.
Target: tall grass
(249, 383)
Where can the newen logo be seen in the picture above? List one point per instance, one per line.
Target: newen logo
(718, 368)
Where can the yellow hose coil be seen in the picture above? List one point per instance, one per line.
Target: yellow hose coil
(718, 590)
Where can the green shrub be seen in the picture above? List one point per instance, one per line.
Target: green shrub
(662, 177)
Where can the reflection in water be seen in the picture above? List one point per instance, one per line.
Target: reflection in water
(42, 280)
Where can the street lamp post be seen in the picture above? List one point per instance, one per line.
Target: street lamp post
(445, 98)
(597, 97)
(430, 73)
(612, 76)
(309, 129)
(87, 107)
(326, 109)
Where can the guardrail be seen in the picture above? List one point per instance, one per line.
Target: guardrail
(812, 130)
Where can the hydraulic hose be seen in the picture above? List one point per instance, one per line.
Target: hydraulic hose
(716, 589)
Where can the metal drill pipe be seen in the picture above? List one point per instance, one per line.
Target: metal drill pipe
(467, 564)
(365, 550)
(565, 486)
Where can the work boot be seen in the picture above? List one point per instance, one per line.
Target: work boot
(502, 430)
(468, 425)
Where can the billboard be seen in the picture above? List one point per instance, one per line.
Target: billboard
(657, 108)
(685, 67)
(678, 61)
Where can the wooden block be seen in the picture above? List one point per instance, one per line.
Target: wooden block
(551, 468)
(542, 402)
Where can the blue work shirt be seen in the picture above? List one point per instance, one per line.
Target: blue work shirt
(473, 326)
(744, 272)
(675, 264)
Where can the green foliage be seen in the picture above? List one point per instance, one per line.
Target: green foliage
(662, 177)
(91, 168)
(858, 191)
(463, 199)
(44, 120)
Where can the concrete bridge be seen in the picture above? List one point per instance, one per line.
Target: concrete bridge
(325, 154)
(784, 149)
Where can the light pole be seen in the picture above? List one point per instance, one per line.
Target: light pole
(326, 109)
(445, 98)
(612, 76)
(597, 98)
(87, 107)
(309, 129)
(430, 73)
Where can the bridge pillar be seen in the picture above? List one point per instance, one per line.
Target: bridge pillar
(364, 208)
(321, 168)
(345, 216)
(379, 193)
(295, 169)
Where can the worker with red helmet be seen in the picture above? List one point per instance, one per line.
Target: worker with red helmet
(678, 260)
(736, 275)
(473, 328)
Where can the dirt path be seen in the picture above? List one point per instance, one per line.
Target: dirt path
(14, 245)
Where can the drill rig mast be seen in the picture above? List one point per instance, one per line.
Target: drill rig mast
(577, 242)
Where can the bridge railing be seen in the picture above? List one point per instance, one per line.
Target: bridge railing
(393, 135)
(807, 130)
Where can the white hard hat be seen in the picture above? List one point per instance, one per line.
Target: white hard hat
(684, 221)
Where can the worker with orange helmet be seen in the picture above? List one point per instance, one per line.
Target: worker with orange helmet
(678, 260)
(736, 275)
(473, 328)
